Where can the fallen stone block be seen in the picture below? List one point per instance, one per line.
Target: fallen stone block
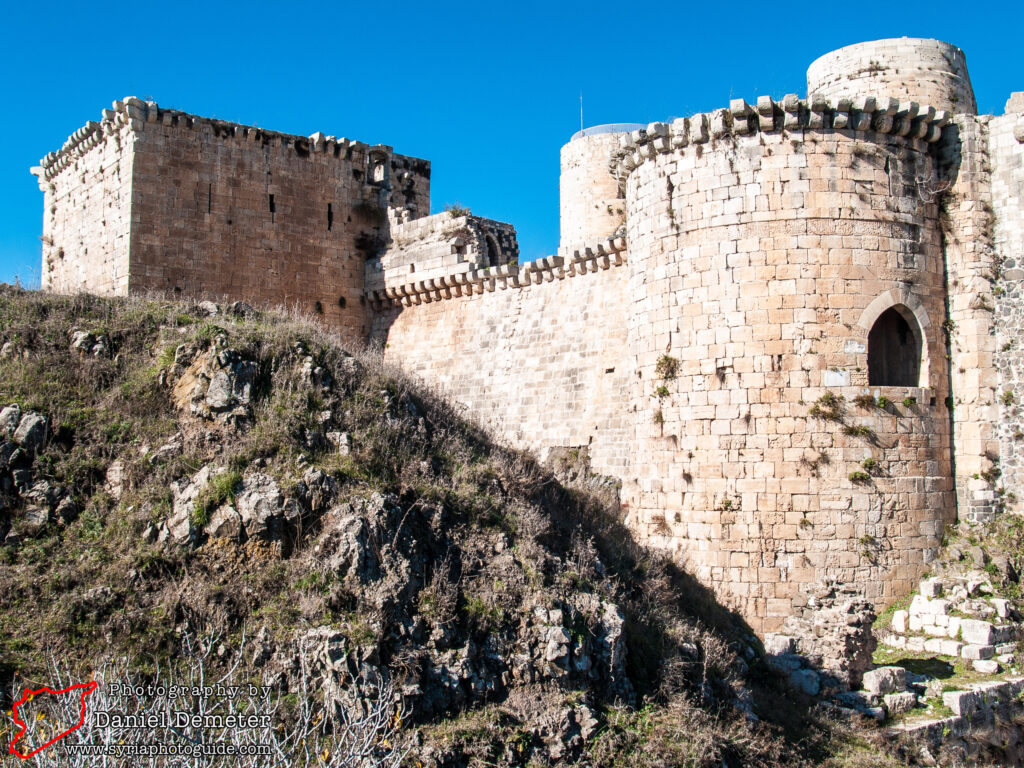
(977, 651)
(986, 667)
(898, 703)
(806, 680)
(950, 648)
(915, 643)
(961, 702)
(931, 588)
(977, 632)
(899, 622)
(858, 700)
(1002, 607)
(885, 680)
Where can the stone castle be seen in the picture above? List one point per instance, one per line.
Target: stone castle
(792, 329)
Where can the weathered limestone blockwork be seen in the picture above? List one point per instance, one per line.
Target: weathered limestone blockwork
(760, 262)
(544, 364)
(791, 329)
(1006, 149)
(927, 71)
(970, 268)
(224, 210)
(87, 214)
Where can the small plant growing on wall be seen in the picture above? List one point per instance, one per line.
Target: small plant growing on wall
(856, 430)
(865, 401)
(667, 367)
(457, 209)
(1007, 398)
(814, 467)
(870, 465)
(991, 474)
(859, 477)
(909, 401)
(868, 544)
(828, 407)
(728, 505)
(884, 402)
(661, 392)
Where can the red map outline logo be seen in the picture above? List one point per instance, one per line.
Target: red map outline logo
(87, 688)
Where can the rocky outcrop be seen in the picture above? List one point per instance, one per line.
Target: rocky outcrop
(213, 385)
(28, 503)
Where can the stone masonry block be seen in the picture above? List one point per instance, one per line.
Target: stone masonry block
(885, 680)
(977, 632)
(977, 651)
(899, 621)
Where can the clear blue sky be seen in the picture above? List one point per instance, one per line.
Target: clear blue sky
(487, 94)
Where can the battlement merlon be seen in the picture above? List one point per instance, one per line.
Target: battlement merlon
(136, 114)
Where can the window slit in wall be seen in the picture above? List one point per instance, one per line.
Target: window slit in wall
(273, 209)
(209, 198)
(330, 217)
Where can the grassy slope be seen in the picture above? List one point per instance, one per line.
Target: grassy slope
(117, 407)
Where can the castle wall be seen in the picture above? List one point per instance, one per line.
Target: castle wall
(759, 261)
(543, 361)
(231, 212)
(970, 271)
(926, 71)
(1006, 148)
(87, 212)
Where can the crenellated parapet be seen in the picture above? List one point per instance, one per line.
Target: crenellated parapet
(863, 114)
(135, 115)
(589, 259)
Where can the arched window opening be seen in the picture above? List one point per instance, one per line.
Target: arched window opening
(493, 252)
(894, 351)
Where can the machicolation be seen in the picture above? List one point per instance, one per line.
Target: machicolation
(790, 329)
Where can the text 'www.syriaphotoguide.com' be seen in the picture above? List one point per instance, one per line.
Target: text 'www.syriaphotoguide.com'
(171, 750)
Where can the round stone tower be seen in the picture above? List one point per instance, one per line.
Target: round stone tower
(926, 71)
(591, 205)
(786, 280)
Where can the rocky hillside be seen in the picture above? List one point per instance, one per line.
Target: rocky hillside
(168, 470)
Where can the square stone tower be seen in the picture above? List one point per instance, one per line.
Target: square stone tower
(157, 200)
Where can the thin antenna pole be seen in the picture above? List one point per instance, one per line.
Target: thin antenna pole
(581, 110)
